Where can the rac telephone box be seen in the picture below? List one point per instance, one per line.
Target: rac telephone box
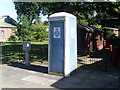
(62, 49)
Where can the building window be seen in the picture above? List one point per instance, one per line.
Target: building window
(1, 34)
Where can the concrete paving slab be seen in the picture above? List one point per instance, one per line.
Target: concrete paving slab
(14, 84)
(35, 79)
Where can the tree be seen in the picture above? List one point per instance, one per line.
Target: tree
(36, 31)
(40, 31)
(109, 34)
(84, 10)
(30, 10)
(27, 13)
(74, 8)
(112, 8)
(24, 31)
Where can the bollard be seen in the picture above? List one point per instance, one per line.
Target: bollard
(104, 44)
(27, 59)
(27, 48)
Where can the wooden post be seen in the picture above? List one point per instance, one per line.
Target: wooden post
(111, 48)
(97, 45)
(104, 44)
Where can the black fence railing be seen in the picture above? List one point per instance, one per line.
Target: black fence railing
(11, 53)
(94, 60)
(39, 53)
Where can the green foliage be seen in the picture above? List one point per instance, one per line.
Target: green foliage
(13, 38)
(78, 9)
(28, 10)
(110, 9)
(83, 22)
(29, 13)
(109, 34)
(84, 11)
(97, 26)
(29, 26)
(39, 31)
(36, 32)
(24, 31)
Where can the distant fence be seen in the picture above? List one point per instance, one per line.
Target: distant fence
(39, 52)
(15, 53)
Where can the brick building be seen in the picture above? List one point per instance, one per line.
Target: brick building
(89, 38)
(7, 27)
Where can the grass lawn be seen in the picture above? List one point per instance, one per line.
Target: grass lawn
(44, 42)
(20, 43)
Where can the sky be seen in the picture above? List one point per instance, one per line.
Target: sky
(7, 7)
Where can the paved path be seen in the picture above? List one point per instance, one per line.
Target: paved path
(14, 77)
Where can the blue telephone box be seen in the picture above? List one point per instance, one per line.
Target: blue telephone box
(62, 52)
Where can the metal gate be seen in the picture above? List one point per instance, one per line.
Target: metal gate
(94, 60)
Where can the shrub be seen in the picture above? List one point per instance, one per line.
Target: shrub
(13, 38)
(39, 32)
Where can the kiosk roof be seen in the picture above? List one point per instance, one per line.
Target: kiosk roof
(62, 14)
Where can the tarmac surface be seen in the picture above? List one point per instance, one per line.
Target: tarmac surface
(19, 76)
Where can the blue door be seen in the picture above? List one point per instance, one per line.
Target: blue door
(56, 47)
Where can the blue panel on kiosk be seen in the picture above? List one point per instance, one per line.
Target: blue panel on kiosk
(56, 46)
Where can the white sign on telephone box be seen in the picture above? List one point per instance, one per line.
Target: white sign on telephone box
(56, 32)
